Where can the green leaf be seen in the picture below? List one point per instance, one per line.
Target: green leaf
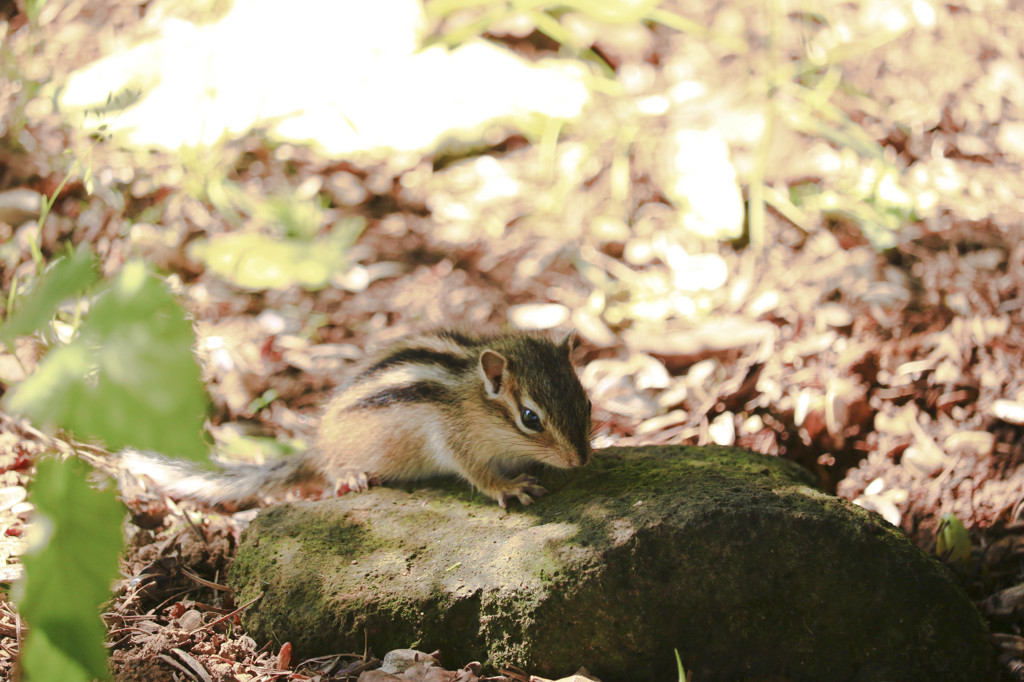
(67, 277)
(68, 574)
(57, 387)
(258, 261)
(129, 378)
(953, 543)
(44, 660)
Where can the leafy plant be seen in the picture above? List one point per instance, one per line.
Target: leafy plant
(460, 20)
(258, 261)
(128, 372)
(75, 541)
(66, 277)
(126, 375)
(281, 244)
(799, 83)
(952, 541)
(679, 666)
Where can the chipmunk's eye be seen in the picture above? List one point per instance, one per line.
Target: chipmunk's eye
(531, 419)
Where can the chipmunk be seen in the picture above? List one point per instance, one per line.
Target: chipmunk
(479, 407)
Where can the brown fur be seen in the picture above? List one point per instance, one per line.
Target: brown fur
(434, 404)
(474, 436)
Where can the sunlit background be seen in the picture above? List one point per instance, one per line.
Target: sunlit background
(789, 226)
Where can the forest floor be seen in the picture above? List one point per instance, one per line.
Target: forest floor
(895, 374)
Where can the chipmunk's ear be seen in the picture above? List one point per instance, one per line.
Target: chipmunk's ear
(569, 342)
(492, 365)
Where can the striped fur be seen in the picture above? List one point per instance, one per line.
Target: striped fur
(449, 402)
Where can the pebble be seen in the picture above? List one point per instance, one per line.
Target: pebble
(1010, 411)
(399, 660)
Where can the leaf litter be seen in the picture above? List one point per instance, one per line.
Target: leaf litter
(895, 376)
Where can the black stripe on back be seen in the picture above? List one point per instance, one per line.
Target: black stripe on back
(458, 337)
(416, 392)
(419, 356)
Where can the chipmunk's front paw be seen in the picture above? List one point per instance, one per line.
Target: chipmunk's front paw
(524, 488)
(350, 480)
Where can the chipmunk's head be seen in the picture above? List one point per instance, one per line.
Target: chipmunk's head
(532, 380)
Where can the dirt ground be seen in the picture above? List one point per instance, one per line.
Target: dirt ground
(895, 374)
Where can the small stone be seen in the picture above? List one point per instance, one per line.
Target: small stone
(190, 620)
(923, 460)
(833, 315)
(723, 429)
(751, 425)
(399, 660)
(1010, 411)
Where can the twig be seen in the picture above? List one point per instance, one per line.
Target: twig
(234, 613)
(204, 582)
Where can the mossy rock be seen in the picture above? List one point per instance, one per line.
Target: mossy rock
(728, 556)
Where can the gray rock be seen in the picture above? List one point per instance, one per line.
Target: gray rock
(400, 660)
(728, 556)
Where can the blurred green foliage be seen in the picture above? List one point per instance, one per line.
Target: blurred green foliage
(952, 541)
(127, 374)
(473, 18)
(32, 10)
(67, 277)
(282, 242)
(257, 261)
(75, 540)
(800, 88)
(122, 372)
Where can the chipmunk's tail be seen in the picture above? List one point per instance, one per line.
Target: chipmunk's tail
(234, 487)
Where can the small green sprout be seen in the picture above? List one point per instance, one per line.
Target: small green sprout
(952, 543)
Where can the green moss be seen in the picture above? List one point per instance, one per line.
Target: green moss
(726, 555)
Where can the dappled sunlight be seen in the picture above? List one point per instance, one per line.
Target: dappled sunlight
(348, 77)
(789, 228)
